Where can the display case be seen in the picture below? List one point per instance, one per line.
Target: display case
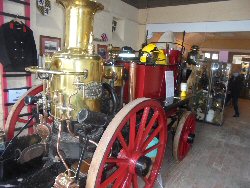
(213, 82)
(245, 72)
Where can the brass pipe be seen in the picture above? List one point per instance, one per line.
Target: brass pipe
(35, 69)
(79, 21)
(132, 81)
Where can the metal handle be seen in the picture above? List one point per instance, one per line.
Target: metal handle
(35, 69)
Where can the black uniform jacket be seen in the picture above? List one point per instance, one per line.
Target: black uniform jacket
(17, 47)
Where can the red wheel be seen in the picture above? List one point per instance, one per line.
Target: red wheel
(20, 113)
(132, 148)
(184, 135)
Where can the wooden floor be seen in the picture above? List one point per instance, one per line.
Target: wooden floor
(220, 157)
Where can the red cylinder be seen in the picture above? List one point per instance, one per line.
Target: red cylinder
(174, 57)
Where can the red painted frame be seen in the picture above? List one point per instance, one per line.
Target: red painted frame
(2, 72)
(1, 10)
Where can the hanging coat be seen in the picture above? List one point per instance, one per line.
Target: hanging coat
(17, 47)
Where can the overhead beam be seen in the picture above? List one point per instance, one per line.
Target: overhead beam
(142, 4)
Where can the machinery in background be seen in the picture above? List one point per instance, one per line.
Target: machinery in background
(97, 124)
(213, 80)
(245, 72)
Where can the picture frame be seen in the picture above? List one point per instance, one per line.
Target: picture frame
(49, 45)
(102, 50)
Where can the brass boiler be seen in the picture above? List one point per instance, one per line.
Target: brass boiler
(76, 72)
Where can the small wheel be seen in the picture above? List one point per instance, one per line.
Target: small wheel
(184, 135)
(132, 148)
(20, 113)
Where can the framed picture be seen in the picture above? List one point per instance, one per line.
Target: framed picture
(102, 50)
(49, 45)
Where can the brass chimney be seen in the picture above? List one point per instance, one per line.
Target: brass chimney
(79, 21)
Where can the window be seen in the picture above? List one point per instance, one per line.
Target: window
(207, 55)
(212, 55)
(215, 56)
(114, 24)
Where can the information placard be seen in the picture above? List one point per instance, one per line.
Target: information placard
(14, 95)
(169, 77)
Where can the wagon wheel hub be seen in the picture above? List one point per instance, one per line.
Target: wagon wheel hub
(190, 138)
(143, 165)
(184, 135)
(137, 164)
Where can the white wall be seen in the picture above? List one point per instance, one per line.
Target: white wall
(214, 11)
(50, 25)
(128, 26)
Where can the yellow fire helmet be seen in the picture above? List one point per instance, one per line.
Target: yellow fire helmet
(161, 60)
(149, 54)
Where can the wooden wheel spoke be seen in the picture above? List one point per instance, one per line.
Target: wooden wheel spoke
(146, 180)
(132, 130)
(152, 148)
(116, 160)
(122, 142)
(150, 125)
(21, 120)
(127, 181)
(122, 180)
(142, 127)
(151, 137)
(113, 177)
(135, 181)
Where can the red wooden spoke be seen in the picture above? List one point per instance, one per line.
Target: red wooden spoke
(13, 118)
(22, 120)
(142, 127)
(132, 130)
(122, 141)
(151, 137)
(146, 181)
(150, 125)
(151, 149)
(122, 180)
(32, 123)
(116, 160)
(113, 177)
(126, 181)
(135, 181)
(128, 129)
(129, 181)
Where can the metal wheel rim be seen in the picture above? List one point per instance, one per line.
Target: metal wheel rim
(101, 154)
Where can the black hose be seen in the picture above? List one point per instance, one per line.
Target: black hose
(81, 159)
(114, 97)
